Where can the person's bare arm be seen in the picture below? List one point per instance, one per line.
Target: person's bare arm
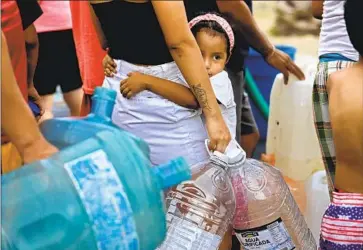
(317, 7)
(257, 39)
(17, 120)
(97, 25)
(186, 53)
(174, 92)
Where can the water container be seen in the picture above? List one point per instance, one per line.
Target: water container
(317, 201)
(200, 211)
(98, 194)
(63, 132)
(264, 76)
(291, 132)
(266, 216)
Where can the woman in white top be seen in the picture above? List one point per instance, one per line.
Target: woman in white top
(335, 53)
(216, 40)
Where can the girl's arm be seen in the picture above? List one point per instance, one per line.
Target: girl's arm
(184, 50)
(172, 91)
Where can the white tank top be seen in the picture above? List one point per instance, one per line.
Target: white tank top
(333, 36)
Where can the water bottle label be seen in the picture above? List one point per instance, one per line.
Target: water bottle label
(183, 234)
(105, 201)
(273, 236)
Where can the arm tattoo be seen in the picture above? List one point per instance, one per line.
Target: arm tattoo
(201, 96)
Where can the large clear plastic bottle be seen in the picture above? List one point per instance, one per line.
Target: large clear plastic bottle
(200, 211)
(266, 216)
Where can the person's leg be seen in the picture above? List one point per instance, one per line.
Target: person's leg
(70, 79)
(48, 101)
(249, 130)
(73, 100)
(45, 77)
(86, 104)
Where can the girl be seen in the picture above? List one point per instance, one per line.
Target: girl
(159, 44)
(215, 38)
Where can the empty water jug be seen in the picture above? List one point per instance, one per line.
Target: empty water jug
(100, 193)
(266, 216)
(200, 211)
(291, 133)
(317, 201)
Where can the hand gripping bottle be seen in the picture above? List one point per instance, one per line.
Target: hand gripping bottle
(200, 211)
(266, 216)
(99, 194)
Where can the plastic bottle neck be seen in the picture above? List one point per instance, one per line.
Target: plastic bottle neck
(102, 108)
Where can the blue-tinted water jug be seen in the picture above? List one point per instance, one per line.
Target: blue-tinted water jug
(63, 132)
(98, 194)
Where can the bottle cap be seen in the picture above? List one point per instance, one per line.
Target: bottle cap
(173, 172)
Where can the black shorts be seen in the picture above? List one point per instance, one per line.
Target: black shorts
(246, 123)
(57, 63)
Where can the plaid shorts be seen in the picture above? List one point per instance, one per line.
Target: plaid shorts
(342, 224)
(322, 118)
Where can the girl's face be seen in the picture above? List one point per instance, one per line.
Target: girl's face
(213, 46)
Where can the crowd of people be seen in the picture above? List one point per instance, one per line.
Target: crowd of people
(178, 69)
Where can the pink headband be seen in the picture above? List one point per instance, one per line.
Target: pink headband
(221, 21)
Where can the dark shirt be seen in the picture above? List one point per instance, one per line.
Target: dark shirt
(240, 51)
(30, 11)
(133, 32)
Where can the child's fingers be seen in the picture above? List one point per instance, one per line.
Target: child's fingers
(108, 73)
(129, 94)
(125, 91)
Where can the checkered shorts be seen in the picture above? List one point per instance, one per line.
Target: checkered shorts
(322, 118)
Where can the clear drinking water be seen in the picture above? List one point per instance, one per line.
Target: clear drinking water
(199, 211)
(267, 216)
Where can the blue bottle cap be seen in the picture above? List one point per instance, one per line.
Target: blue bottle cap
(105, 94)
(173, 172)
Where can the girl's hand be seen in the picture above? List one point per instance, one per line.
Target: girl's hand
(133, 85)
(109, 66)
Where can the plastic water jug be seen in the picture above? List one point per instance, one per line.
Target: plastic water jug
(266, 216)
(297, 188)
(100, 193)
(317, 201)
(63, 132)
(291, 132)
(200, 211)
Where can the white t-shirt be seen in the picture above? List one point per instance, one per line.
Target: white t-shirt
(223, 90)
(333, 35)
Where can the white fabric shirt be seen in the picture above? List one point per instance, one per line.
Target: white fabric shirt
(333, 35)
(223, 90)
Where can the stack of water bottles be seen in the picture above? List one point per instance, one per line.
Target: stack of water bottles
(246, 193)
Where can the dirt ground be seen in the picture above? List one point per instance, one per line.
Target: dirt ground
(265, 16)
